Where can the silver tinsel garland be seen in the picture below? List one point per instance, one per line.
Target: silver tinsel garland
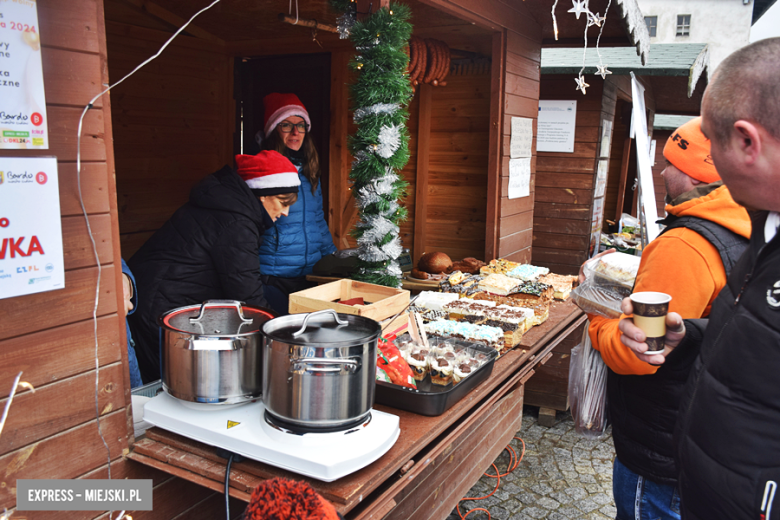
(379, 108)
(345, 22)
(389, 141)
(370, 252)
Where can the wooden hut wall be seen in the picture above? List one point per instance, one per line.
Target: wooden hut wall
(660, 137)
(173, 119)
(48, 336)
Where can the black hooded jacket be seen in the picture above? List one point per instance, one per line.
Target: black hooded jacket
(728, 428)
(207, 250)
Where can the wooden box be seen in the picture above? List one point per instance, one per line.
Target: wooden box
(380, 302)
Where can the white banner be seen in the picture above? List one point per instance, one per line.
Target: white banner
(644, 170)
(31, 256)
(23, 121)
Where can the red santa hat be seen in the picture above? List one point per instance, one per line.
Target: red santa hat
(268, 173)
(278, 107)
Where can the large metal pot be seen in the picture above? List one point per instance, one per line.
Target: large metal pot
(319, 369)
(212, 353)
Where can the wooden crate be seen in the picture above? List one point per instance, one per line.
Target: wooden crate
(381, 302)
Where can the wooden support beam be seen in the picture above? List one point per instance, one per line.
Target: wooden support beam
(497, 79)
(314, 24)
(421, 183)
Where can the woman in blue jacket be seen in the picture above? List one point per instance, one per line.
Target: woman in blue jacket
(293, 245)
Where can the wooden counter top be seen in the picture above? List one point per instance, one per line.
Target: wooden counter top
(200, 463)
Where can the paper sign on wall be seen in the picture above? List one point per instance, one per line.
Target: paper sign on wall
(522, 137)
(555, 126)
(601, 178)
(23, 120)
(606, 138)
(519, 178)
(31, 257)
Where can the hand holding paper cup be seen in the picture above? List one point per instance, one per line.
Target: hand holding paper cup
(650, 310)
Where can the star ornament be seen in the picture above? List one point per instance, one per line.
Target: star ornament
(595, 19)
(581, 85)
(579, 8)
(602, 71)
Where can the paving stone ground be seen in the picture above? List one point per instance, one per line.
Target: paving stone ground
(563, 476)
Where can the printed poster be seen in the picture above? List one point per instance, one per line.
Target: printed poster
(522, 137)
(31, 255)
(519, 178)
(601, 178)
(606, 138)
(23, 120)
(555, 126)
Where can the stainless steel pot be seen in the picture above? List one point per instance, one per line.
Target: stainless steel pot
(212, 353)
(319, 369)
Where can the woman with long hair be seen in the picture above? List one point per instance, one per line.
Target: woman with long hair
(293, 245)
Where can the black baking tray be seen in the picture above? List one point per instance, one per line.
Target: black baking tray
(430, 399)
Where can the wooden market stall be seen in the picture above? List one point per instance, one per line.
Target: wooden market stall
(573, 202)
(143, 148)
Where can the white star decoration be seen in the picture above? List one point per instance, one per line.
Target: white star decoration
(579, 8)
(602, 71)
(581, 85)
(595, 19)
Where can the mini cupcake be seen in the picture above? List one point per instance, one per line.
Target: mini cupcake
(461, 372)
(418, 362)
(441, 371)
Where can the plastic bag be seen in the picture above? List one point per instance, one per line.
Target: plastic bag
(588, 389)
(594, 298)
(614, 269)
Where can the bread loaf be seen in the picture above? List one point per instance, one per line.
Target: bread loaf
(434, 263)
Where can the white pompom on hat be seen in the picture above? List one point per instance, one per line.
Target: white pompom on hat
(268, 173)
(278, 107)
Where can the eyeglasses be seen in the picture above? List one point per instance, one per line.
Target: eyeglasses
(287, 127)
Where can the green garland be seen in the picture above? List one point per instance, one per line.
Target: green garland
(380, 145)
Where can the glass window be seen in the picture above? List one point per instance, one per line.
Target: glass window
(652, 24)
(683, 25)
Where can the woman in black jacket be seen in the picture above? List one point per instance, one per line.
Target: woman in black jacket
(208, 248)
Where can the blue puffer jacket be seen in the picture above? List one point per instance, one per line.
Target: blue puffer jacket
(296, 242)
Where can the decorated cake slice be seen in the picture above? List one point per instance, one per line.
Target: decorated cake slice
(499, 284)
(528, 272)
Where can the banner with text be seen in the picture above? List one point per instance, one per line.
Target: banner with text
(23, 122)
(31, 256)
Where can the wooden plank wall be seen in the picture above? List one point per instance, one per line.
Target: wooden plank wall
(53, 433)
(522, 58)
(173, 121)
(565, 182)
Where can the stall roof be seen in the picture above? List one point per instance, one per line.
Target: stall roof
(760, 7)
(666, 59)
(669, 121)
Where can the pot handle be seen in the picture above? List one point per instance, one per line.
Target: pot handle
(220, 303)
(319, 313)
(345, 364)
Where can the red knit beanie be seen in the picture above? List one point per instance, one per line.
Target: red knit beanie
(281, 106)
(689, 151)
(282, 499)
(268, 173)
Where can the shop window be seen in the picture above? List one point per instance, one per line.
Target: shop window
(683, 25)
(652, 25)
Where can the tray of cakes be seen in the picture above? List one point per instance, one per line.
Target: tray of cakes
(444, 371)
(608, 280)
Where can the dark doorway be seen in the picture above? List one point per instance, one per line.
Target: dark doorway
(305, 75)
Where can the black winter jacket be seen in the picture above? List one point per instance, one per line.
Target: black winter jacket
(728, 429)
(207, 250)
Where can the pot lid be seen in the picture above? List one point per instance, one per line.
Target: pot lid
(323, 328)
(216, 318)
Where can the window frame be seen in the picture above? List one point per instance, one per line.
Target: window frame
(652, 25)
(683, 28)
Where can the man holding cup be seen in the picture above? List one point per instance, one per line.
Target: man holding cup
(728, 428)
(705, 230)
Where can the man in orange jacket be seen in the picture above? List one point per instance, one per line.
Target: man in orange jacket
(706, 232)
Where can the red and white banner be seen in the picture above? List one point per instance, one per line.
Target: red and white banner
(31, 256)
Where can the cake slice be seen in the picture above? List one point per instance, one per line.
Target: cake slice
(528, 272)
(499, 284)
(561, 284)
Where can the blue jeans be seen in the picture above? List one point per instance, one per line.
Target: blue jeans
(637, 498)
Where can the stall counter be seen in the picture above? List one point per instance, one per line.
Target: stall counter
(434, 462)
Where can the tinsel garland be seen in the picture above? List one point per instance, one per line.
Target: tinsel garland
(380, 144)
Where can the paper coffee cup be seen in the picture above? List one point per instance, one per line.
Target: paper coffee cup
(650, 310)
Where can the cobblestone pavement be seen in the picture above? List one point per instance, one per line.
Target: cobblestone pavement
(563, 476)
